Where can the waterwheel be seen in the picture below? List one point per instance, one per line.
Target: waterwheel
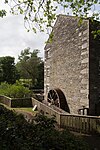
(56, 97)
(53, 98)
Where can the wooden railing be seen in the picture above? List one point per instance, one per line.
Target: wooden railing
(79, 123)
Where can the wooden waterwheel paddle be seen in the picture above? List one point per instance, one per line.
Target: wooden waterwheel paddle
(53, 98)
(56, 97)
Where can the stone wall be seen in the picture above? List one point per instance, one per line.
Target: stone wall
(21, 102)
(16, 102)
(46, 110)
(72, 60)
(5, 100)
(68, 61)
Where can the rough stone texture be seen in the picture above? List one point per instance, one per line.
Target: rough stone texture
(16, 102)
(71, 64)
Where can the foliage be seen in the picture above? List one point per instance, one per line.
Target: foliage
(40, 77)
(14, 91)
(2, 13)
(16, 133)
(40, 12)
(12, 130)
(8, 71)
(26, 82)
(43, 122)
(30, 66)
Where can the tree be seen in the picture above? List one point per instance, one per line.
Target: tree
(40, 12)
(8, 70)
(40, 77)
(31, 66)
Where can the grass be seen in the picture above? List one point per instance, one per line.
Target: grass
(25, 109)
(21, 109)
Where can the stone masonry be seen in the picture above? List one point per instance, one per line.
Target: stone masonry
(72, 63)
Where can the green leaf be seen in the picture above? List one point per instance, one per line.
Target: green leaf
(2, 13)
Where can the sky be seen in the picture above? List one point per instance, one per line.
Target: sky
(14, 37)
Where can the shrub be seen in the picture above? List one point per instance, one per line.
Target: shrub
(14, 91)
(17, 134)
(3, 88)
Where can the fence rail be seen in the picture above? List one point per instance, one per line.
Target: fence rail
(84, 124)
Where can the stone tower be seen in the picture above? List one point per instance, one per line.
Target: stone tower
(72, 64)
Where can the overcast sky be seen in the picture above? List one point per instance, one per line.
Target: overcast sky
(14, 37)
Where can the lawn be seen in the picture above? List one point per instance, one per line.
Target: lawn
(25, 109)
(21, 109)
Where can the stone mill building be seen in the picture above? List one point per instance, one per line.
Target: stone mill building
(72, 66)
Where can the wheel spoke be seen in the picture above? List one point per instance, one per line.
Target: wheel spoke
(50, 95)
(53, 98)
(53, 94)
(49, 99)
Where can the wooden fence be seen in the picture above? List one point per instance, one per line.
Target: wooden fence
(79, 123)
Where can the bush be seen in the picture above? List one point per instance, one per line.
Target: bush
(14, 91)
(17, 134)
(3, 88)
